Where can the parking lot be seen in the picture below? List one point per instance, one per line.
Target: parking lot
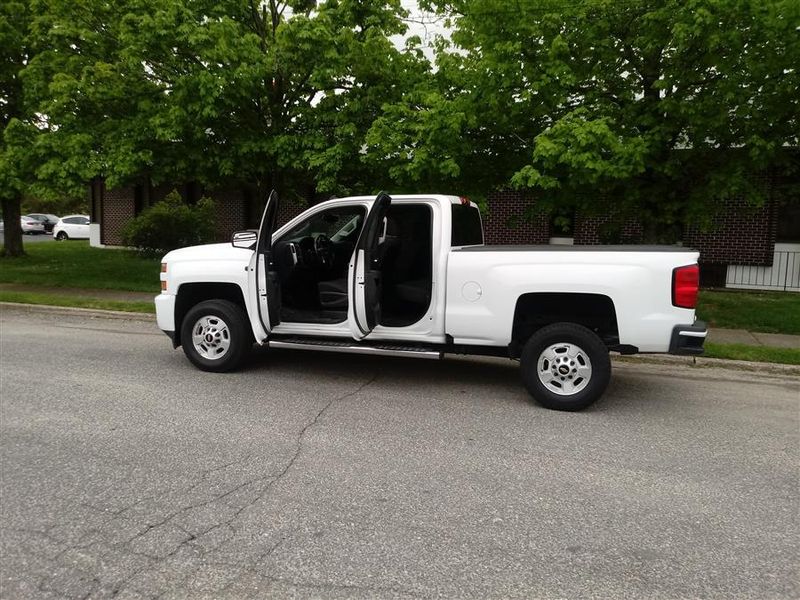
(46, 237)
(127, 473)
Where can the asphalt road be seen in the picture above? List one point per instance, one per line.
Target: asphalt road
(27, 239)
(127, 473)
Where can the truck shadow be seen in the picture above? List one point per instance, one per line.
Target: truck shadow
(497, 379)
(464, 369)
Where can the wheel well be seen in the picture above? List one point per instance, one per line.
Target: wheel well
(190, 294)
(534, 311)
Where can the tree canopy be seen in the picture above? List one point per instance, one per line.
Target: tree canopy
(652, 108)
(271, 93)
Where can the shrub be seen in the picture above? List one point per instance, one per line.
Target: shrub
(171, 224)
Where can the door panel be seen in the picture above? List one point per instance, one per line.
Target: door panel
(364, 279)
(267, 282)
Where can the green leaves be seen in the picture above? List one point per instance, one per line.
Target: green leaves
(658, 109)
(171, 224)
(273, 94)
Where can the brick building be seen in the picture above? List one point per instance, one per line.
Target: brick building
(748, 248)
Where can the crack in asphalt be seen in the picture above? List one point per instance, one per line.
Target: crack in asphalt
(316, 419)
(190, 536)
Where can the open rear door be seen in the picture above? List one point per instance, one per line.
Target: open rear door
(267, 282)
(364, 277)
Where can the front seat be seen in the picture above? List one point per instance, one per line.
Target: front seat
(333, 294)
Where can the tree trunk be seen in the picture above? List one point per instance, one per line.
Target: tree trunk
(12, 234)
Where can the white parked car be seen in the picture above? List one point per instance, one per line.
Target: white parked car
(72, 227)
(48, 220)
(410, 276)
(31, 226)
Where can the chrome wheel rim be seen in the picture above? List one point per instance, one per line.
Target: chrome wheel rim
(564, 369)
(211, 337)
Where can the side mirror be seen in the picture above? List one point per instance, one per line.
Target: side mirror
(244, 239)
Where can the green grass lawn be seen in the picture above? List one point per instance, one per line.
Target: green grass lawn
(76, 302)
(770, 312)
(786, 356)
(74, 263)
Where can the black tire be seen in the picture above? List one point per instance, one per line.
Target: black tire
(563, 371)
(61, 236)
(239, 337)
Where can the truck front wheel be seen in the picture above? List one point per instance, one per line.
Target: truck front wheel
(215, 335)
(565, 366)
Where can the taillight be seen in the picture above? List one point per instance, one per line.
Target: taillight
(685, 285)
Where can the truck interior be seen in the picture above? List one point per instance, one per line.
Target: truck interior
(313, 257)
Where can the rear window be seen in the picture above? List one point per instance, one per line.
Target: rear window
(467, 230)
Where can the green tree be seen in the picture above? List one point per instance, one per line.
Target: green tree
(15, 168)
(38, 158)
(273, 94)
(461, 127)
(651, 108)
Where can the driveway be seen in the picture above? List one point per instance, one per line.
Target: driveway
(127, 473)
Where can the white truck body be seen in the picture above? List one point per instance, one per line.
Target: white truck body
(472, 299)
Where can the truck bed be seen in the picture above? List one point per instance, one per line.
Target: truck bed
(484, 284)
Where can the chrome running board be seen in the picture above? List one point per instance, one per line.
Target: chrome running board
(350, 348)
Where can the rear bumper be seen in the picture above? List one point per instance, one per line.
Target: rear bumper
(688, 339)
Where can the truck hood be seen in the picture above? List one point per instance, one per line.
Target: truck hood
(209, 252)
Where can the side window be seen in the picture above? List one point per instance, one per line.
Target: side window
(339, 223)
(466, 230)
(350, 228)
(71, 221)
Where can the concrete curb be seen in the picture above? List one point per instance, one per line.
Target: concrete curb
(86, 312)
(701, 362)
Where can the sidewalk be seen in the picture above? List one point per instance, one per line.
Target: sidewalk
(717, 336)
(753, 338)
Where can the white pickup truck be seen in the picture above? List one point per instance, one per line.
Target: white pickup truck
(410, 276)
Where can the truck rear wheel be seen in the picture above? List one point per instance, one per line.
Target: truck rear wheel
(565, 366)
(215, 335)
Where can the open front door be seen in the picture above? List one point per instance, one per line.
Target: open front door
(364, 277)
(267, 283)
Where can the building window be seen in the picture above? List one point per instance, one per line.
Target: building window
(788, 229)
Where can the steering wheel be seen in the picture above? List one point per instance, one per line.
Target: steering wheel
(323, 247)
